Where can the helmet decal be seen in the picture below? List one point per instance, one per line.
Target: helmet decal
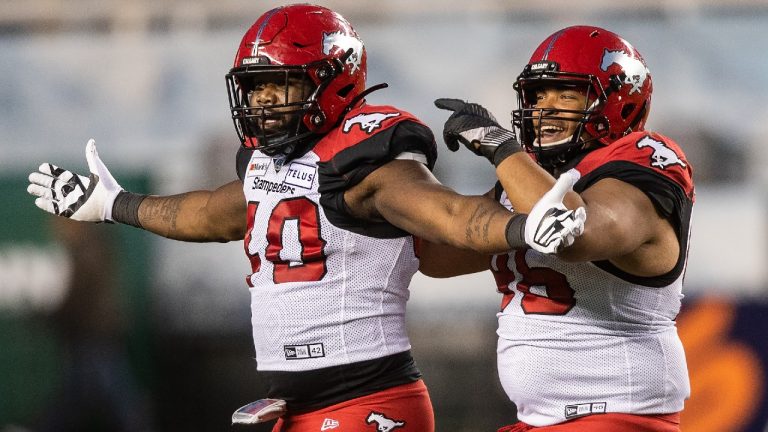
(634, 70)
(551, 44)
(338, 41)
(257, 40)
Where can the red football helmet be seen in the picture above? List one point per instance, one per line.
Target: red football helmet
(296, 43)
(606, 67)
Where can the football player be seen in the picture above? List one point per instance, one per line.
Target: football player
(587, 337)
(330, 192)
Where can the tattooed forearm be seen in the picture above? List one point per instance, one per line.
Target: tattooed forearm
(161, 213)
(479, 224)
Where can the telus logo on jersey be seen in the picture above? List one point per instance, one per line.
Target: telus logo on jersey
(368, 122)
(635, 72)
(662, 156)
(301, 175)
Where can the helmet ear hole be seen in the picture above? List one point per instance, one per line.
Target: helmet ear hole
(344, 91)
(640, 117)
(627, 110)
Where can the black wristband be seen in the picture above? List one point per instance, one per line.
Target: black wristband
(126, 208)
(505, 150)
(516, 231)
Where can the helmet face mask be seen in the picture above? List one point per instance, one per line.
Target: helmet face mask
(606, 69)
(308, 46)
(529, 119)
(276, 125)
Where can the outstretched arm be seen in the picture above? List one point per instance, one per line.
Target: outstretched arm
(443, 261)
(406, 194)
(199, 216)
(218, 215)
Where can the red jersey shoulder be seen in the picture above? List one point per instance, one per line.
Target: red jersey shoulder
(359, 125)
(647, 149)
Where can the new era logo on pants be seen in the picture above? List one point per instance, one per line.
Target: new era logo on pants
(329, 424)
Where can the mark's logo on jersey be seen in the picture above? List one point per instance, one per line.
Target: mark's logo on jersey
(662, 156)
(634, 70)
(258, 167)
(301, 175)
(383, 424)
(368, 122)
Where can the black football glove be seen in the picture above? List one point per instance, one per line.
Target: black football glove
(472, 125)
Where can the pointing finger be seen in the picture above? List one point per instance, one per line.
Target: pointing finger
(449, 104)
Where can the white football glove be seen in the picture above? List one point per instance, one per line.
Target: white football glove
(550, 226)
(68, 194)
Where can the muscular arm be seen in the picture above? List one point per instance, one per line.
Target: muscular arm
(200, 216)
(443, 261)
(622, 224)
(407, 195)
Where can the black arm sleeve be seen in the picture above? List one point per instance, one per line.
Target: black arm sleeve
(241, 161)
(351, 165)
(670, 201)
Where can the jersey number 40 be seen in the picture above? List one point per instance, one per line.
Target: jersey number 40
(307, 217)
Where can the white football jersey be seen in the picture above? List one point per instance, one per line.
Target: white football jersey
(579, 339)
(321, 295)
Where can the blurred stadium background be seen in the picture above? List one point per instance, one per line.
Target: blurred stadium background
(138, 333)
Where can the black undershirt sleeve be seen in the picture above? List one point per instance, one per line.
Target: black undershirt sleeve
(350, 166)
(670, 201)
(241, 161)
